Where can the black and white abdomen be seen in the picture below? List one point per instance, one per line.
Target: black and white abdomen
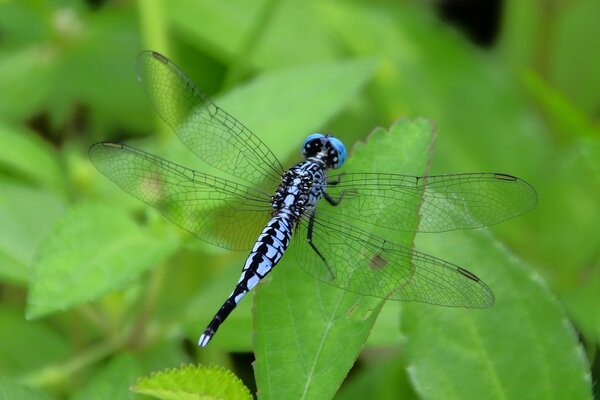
(267, 251)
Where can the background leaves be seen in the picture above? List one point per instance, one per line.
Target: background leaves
(117, 292)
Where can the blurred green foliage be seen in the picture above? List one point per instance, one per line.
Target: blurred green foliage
(98, 291)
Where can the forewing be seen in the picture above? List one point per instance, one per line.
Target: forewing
(212, 134)
(213, 209)
(360, 262)
(444, 202)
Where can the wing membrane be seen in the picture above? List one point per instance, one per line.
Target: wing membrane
(208, 131)
(213, 209)
(444, 202)
(366, 264)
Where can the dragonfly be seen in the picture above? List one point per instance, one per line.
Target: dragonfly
(260, 207)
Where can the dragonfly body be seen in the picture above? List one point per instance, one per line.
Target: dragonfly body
(264, 205)
(302, 186)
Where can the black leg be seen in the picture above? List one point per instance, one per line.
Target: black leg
(311, 223)
(331, 200)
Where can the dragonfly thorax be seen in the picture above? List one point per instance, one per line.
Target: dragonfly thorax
(300, 189)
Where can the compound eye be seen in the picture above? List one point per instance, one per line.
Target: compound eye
(339, 147)
(312, 143)
(312, 137)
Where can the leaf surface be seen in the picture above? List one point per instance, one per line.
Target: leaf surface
(91, 250)
(308, 334)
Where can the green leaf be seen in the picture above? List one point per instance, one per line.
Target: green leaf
(69, 64)
(27, 346)
(522, 348)
(381, 380)
(26, 78)
(193, 383)
(313, 94)
(426, 69)
(286, 41)
(582, 302)
(113, 381)
(225, 24)
(308, 334)
(93, 249)
(574, 59)
(12, 391)
(565, 118)
(27, 215)
(266, 34)
(554, 42)
(19, 147)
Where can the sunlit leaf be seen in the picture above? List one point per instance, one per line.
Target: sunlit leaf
(522, 347)
(193, 383)
(91, 250)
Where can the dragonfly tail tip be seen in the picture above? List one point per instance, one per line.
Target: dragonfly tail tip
(204, 339)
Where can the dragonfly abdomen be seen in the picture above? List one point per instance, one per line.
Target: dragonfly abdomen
(266, 253)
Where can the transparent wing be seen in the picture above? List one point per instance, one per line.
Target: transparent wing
(362, 263)
(218, 211)
(444, 202)
(212, 134)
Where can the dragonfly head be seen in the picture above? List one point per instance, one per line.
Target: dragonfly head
(331, 149)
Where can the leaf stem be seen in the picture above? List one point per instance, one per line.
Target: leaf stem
(137, 334)
(153, 25)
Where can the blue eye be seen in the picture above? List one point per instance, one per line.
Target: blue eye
(341, 150)
(312, 136)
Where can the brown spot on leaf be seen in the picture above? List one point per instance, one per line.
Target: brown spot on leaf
(377, 261)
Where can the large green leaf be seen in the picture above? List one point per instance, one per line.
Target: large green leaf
(308, 334)
(522, 348)
(91, 250)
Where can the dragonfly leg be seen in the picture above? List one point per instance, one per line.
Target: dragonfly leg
(311, 223)
(328, 198)
(331, 200)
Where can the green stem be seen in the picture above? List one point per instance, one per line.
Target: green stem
(96, 318)
(138, 334)
(153, 25)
